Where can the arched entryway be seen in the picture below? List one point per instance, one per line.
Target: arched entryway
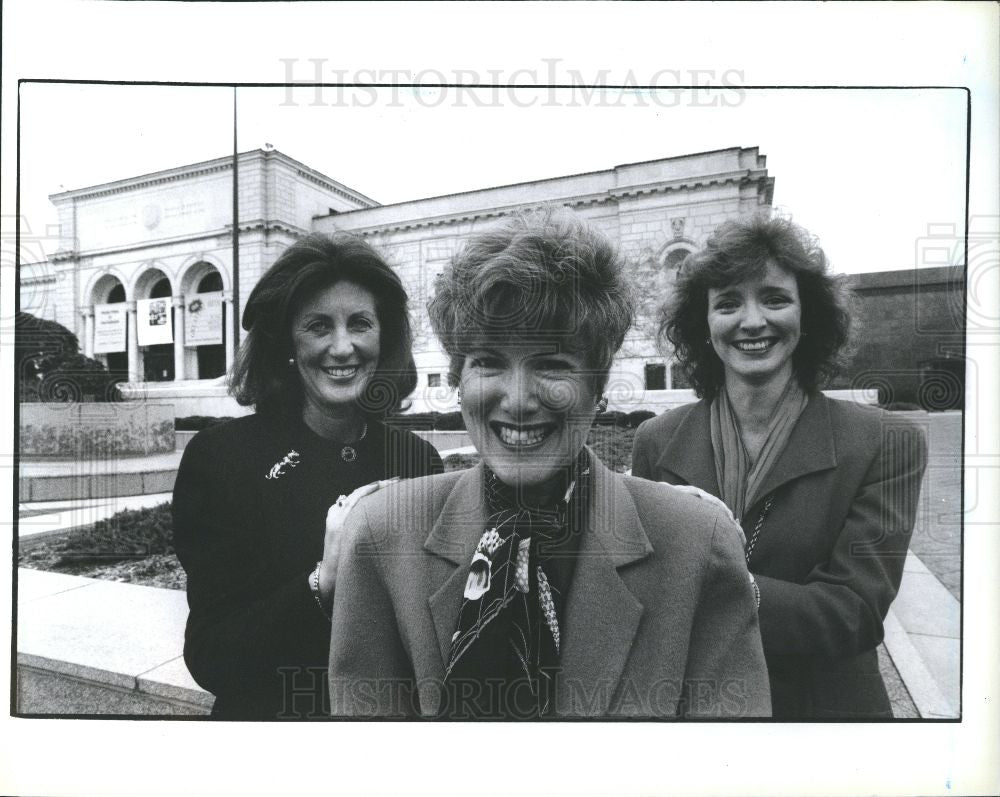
(675, 257)
(206, 317)
(158, 359)
(106, 335)
(117, 361)
(212, 356)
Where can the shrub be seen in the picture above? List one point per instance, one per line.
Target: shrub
(50, 367)
(449, 422)
(613, 446)
(195, 423)
(460, 462)
(610, 418)
(419, 421)
(634, 418)
(901, 406)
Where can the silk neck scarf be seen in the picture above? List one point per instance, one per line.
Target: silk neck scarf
(505, 651)
(739, 478)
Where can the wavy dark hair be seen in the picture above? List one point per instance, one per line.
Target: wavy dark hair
(543, 276)
(261, 376)
(741, 249)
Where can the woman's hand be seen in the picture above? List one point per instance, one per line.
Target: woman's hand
(335, 519)
(705, 496)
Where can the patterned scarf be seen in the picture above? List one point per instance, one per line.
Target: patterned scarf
(505, 651)
(739, 478)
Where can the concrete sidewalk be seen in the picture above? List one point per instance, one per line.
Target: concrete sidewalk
(923, 638)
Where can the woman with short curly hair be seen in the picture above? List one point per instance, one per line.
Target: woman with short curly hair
(825, 490)
(539, 583)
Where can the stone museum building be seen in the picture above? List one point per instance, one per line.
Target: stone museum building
(168, 236)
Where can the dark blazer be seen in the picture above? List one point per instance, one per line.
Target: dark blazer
(660, 619)
(255, 636)
(830, 554)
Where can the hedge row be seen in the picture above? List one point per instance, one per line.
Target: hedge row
(430, 421)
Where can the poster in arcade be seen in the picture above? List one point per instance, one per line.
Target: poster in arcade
(203, 319)
(154, 321)
(109, 328)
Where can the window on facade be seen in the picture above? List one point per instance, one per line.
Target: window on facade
(161, 289)
(210, 283)
(656, 376)
(675, 258)
(433, 380)
(678, 377)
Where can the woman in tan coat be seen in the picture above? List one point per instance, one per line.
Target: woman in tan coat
(539, 583)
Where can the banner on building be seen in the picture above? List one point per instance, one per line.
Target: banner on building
(109, 328)
(154, 321)
(203, 319)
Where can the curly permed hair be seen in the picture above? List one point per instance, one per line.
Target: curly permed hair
(740, 249)
(544, 276)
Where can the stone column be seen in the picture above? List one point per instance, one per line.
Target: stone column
(178, 302)
(227, 328)
(88, 330)
(133, 344)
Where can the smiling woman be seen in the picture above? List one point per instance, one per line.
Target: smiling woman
(259, 501)
(539, 583)
(826, 490)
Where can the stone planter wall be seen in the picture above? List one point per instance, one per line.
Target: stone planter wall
(95, 430)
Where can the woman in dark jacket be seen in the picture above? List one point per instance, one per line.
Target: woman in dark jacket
(327, 357)
(826, 490)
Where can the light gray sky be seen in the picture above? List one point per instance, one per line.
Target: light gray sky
(867, 171)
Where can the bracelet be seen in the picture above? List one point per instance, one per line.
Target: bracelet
(314, 588)
(756, 590)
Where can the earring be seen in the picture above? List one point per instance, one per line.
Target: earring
(602, 405)
(458, 393)
(291, 361)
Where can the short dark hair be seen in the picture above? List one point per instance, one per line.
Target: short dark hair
(740, 249)
(261, 375)
(541, 276)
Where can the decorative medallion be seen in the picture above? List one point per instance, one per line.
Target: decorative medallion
(151, 215)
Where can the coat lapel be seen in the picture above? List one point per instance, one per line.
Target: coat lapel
(454, 537)
(602, 615)
(688, 453)
(809, 449)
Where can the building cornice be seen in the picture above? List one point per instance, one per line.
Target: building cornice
(38, 279)
(611, 196)
(215, 166)
(334, 189)
(246, 226)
